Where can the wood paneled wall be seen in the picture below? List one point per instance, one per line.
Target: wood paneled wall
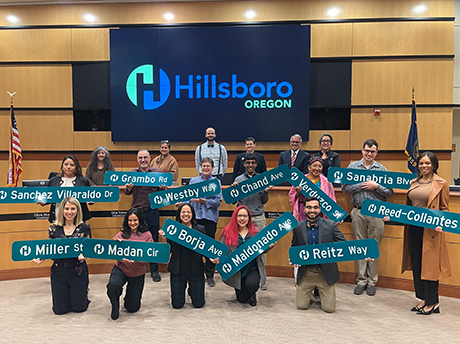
(388, 59)
(36, 63)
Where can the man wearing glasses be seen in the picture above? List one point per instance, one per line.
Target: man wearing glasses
(316, 230)
(295, 157)
(255, 204)
(365, 227)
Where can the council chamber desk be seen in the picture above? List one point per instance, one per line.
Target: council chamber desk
(28, 222)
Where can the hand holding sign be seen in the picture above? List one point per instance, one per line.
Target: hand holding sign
(255, 184)
(334, 252)
(421, 217)
(194, 240)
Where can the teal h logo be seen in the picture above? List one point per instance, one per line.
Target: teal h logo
(147, 77)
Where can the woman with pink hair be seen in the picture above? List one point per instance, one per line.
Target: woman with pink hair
(239, 230)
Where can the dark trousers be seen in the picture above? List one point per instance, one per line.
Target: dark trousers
(424, 289)
(210, 229)
(134, 289)
(152, 218)
(69, 288)
(220, 177)
(249, 286)
(195, 289)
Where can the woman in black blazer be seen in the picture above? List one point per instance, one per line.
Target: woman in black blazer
(69, 175)
(328, 156)
(185, 265)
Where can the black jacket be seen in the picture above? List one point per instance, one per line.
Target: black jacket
(328, 232)
(178, 252)
(332, 160)
(79, 181)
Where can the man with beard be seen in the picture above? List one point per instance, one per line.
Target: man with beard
(215, 151)
(141, 201)
(316, 230)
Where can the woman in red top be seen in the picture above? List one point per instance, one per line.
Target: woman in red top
(127, 271)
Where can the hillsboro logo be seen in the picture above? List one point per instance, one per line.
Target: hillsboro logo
(276, 94)
(147, 75)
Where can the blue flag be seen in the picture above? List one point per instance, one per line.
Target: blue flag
(412, 147)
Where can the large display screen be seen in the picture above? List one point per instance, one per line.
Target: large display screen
(172, 83)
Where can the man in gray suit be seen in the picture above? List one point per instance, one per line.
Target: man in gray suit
(312, 231)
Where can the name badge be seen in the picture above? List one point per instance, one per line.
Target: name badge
(333, 252)
(184, 193)
(394, 180)
(416, 216)
(256, 184)
(138, 178)
(256, 245)
(57, 194)
(47, 249)
(138, 251)
(194, 240)
(331, 209)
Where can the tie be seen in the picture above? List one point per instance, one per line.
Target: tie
(312, 224)
(293, 159)
(210, 146)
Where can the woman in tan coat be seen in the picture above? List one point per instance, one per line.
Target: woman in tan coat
(425, 250)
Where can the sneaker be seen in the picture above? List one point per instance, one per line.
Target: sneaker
(359, 289)
(155, 276)
(264, 287)
(211, 282)
(370, 290)
(252, 300)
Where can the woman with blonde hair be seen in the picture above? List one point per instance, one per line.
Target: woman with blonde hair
(69, 276)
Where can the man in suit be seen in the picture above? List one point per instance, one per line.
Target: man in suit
(295, 157)
(316, 230)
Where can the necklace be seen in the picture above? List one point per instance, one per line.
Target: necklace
(69, 231)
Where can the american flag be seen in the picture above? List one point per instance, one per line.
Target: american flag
(15, 166)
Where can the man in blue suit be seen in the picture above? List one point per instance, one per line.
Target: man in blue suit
(316, 230)
(295, 157)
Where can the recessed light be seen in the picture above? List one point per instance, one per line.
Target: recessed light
(250, 14)
(333, 11)
(89, 17)
(169, 16)
(419, 9)
(12, 19)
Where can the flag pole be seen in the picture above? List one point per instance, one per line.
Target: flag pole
(413, 93)
(11, 96)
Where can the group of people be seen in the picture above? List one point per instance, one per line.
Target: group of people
(425, 250)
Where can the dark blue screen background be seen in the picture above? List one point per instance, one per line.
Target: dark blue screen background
(274, 53)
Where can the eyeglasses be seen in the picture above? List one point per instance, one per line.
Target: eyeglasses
(316, 207)
(325, 141)
(295, 142)
(368, 151)
(242, 216)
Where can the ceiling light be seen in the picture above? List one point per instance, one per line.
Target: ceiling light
(90, 17)
(169, 16)
(12, 19)
(250, 14)
(419, 9)
(333, 12)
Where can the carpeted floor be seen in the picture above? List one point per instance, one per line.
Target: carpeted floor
(26, 317)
